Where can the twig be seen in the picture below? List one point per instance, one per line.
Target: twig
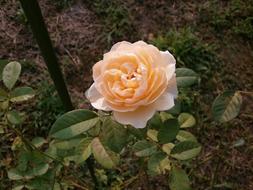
(129, 181)
(77, 185)
(245, 92)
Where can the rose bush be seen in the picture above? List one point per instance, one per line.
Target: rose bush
(134, 80)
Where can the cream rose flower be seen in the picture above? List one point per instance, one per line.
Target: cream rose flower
(134, 80)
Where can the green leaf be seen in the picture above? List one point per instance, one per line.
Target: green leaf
(19, 187)
(14, 174)
(186, 120)
(21, 94)
(11, 73)
(226, 106)
(114, 135)
(138, 133)
(32, 164)
(37, 170)
(4, 105)
(3, 95)
(185, 77)
(75, 149)
(14, 117)
(176, 109)
(3, 63)
(167, 148)
(155, 121)
(186, 150)
(95, 131)
(165, 116)
(38, 141)
(185, 136)
(144, 148)
(158, 163)
(43, 182)
(103, 155)
(1, 129)
(67, 144)
(152, 134)
(168, 131)
(73, 123)
(23, 160)
(179, 180)
(84, 149)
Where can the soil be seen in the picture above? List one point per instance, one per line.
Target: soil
(75, 31)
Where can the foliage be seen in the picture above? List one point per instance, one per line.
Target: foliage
(48, 106)
(188, 49)
(79, 134)
(235, 17)
(226, 106)
(117, 22)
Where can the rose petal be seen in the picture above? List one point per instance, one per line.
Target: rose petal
(164, 102)
(168, 58)
(121, 45)
(97, 101)
(172, 86)
(140, 43)
(96, 69)
(169, 62)
(137, 118)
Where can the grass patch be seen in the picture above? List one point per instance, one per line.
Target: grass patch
(191, 52)
(48, 107)
(115, 17)
(233, 16)
(188, 49)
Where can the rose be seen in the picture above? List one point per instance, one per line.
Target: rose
(134, 80)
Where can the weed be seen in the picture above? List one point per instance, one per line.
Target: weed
(245, 28)
(61, 4)
(188, 49)
(48, 107)
(116, 19)
(234, 17)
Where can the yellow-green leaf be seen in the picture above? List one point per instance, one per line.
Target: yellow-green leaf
(73, 123)
(11, 73)
(22, 94)
(103, 155)
(144, 148)
(185, 136)
(186, 120)
(152, 134)
(226, 106)
(186, 150)
(178, 179)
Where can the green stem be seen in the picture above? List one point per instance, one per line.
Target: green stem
(19, 134)
(32, 147)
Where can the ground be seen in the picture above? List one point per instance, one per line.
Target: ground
(81, 31)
